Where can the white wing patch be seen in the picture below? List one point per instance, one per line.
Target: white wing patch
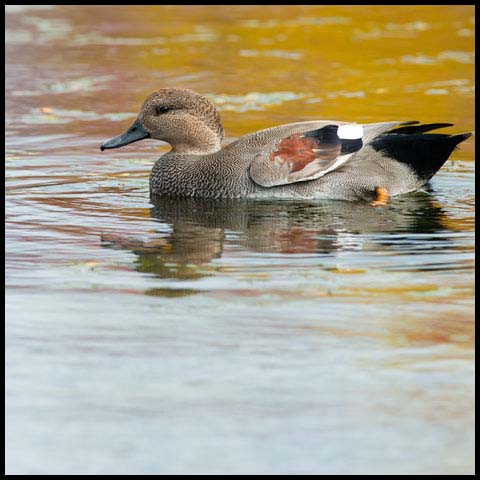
(350, 132)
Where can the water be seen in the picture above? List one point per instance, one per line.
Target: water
(179, 336)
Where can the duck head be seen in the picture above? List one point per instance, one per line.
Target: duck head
(186, 120)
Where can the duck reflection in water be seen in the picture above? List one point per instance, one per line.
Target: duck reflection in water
(201, 228)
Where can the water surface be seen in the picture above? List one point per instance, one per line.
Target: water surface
(177, 336)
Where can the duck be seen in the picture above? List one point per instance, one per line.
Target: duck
(318, 159)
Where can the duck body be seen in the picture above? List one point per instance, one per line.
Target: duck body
(226, 173)
(316, 159)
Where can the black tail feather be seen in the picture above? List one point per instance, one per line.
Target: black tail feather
(427, 127)
(425, 154)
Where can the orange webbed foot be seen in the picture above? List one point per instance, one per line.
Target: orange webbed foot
(381, 197)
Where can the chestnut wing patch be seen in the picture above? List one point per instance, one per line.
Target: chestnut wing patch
(303, 156)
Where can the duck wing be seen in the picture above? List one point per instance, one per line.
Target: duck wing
(309, 155)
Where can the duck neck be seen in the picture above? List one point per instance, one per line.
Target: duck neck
(196, 138)
(191, 147)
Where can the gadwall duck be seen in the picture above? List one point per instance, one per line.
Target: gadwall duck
(314, 159)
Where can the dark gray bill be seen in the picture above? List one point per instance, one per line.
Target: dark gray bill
(135, 133)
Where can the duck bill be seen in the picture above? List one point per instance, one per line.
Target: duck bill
(135, 133)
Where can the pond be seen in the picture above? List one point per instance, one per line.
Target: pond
(234, 337)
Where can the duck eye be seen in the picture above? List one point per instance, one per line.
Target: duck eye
(161, 109)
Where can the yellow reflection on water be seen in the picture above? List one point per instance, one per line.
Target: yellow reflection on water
(265, 65)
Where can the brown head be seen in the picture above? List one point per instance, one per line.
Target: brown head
(186, 120)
